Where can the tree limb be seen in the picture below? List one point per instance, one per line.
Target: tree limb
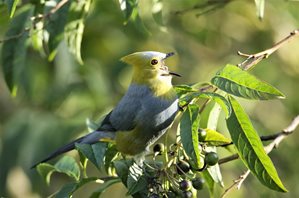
(253, 59)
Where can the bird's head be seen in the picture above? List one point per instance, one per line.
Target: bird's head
(149, 65)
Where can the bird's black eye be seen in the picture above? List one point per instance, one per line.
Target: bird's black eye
(154, 62)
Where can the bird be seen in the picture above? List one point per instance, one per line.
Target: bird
(143, 114)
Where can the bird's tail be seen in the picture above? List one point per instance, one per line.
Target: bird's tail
(90, 138)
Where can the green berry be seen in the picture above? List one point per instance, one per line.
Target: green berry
(159, 148)
(182, 167)
(185, 185)
(198, 183)
(202, 134)
(211, 158)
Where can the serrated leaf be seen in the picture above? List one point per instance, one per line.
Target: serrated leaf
(11, 5)
(260, 7)
(238, 82)
(68, 189)
(68, 166)
(250, 148)
(207, 95)
(45, 170)
(214, 138)
(95, 152)
(55, 25)
(14, 47)
(104, 187)
(189, 126)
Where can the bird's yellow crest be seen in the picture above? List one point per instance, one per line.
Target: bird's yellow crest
(150, 70)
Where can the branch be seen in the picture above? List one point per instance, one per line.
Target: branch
(238, 182)
(278, 137)
(34, 19)
(253, 59)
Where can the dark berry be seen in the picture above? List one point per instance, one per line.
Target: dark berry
(159, 148)
(198, 183)
(185, 185)
(182, 167)
(202, 134)
(187, 194)
(211, 158)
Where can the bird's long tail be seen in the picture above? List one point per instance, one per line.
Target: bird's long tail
(90, 138)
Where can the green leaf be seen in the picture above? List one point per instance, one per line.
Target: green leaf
(183, 89)
(260, 7)
(68, 166)
(104, 187)
(136, 182)
(95, 152)
(46, 170)
(110, 156)
(68, 189)
(189, 126)
(122, 169)
(14, 47)
(12, 5)
(215, 138)
(55, 25)
(214, 171)
(250, 148)
(238, 82)
(207, 95)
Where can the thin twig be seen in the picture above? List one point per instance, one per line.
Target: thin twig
(253, 59)
(282, 135)
(34, 20)
(238, 182)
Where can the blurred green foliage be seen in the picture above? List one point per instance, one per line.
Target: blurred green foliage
(55, 98)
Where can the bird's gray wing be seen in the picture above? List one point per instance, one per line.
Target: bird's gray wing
(123, 116)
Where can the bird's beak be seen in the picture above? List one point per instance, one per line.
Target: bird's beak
(167, 56)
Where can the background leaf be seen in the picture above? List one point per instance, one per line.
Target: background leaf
(260, 7)
(14, 48)
(250, 148)
(55, 25)
(12, 5)
(238, 82)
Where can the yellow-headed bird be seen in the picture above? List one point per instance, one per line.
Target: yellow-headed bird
(143, 114)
